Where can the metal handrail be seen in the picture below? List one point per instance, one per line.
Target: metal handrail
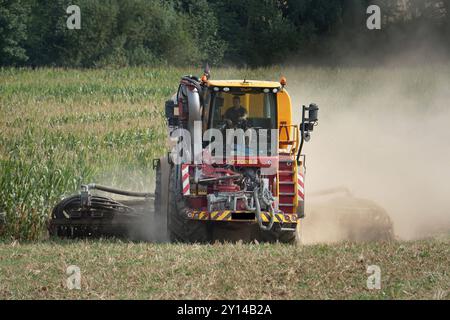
(289, 142)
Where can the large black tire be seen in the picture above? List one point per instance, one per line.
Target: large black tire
(182, 229)
(288, 237)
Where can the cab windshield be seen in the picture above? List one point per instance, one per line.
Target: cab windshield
(238, 109)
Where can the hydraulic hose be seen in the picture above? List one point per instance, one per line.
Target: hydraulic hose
(121, 192)
(326, 192)
(235, 176)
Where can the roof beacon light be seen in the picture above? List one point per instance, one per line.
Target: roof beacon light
(283, 81)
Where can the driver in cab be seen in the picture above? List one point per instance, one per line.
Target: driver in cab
(236, 115)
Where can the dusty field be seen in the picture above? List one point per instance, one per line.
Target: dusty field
(118, 270)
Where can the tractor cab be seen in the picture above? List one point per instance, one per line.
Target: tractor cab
(266, 105)
(246, 104)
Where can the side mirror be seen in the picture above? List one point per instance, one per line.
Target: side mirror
(310, 117)
(313, 113)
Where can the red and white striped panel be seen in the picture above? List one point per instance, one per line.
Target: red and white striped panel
(300, 186)
(185, 179)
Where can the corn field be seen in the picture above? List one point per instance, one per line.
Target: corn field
(62, 128)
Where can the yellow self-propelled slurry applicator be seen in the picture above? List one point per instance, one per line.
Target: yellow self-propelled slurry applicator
(249, 186)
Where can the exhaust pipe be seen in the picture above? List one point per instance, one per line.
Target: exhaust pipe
(194, 123)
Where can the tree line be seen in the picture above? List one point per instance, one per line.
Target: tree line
(221, 32)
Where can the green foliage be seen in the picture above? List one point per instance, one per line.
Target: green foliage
(13, 31)
(122, 33)
(256, 31)
(113, 33)
(155, 31)
(203, 22)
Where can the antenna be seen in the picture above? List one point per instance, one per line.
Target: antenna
(246, 74)
(207, 71)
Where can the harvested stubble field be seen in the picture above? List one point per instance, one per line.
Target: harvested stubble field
(60, 128)
(121, 270)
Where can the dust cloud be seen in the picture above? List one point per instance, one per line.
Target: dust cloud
(384, 133)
